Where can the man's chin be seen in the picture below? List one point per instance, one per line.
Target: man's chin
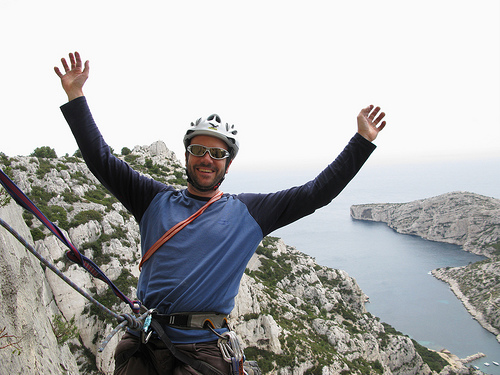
(204, 184)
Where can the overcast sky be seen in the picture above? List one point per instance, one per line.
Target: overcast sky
(291, 75)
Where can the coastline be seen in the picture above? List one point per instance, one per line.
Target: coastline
(478, 316)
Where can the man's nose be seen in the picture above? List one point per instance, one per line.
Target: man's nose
(207, 156)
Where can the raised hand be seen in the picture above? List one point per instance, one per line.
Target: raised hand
(74, 77)
(369, 124)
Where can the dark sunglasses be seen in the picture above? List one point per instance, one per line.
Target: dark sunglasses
(215, 152)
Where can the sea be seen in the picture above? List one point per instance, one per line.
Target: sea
(392, 269)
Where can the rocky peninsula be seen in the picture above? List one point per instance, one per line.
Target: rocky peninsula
(462, 218)
(293, 315)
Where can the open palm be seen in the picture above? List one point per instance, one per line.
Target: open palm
(75, 75)
(369, 122)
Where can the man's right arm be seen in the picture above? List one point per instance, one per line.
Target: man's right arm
(132, 189)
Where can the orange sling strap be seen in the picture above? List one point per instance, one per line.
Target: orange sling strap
(176, 228)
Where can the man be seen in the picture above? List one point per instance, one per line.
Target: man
(196, 271)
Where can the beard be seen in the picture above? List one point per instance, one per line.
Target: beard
(201, 184)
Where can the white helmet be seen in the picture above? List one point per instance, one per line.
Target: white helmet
(212, 126)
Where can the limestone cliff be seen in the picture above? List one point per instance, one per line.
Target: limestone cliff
(293, 315)
(466, 219)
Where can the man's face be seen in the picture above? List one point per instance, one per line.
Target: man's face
(204, 171)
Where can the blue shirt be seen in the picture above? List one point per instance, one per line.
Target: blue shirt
(200, 268)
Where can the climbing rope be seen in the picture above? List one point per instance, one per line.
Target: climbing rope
(73, 254)
(126, 320)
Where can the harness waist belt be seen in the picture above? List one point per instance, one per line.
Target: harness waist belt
(192, 320)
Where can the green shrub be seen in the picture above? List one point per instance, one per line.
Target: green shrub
(44, 152)
(4, 198)
(37, 234)
(85, 216)
(100, 195)
(57, 213)
(265, 358)
(44, 167)
(72, 159)
(80, 177)
(4, 159)
(69, 197)
(40, 197)
(130, 158)
(433, 359)
(64, 330)
(179, 179)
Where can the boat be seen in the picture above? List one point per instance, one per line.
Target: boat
(486, 364)
(496, 363)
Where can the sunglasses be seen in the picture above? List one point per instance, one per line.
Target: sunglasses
(215, 152)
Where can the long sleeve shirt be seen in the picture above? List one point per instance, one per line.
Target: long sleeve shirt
(200, 268)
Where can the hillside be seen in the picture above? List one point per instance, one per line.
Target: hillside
(293, 315)
(462, 218)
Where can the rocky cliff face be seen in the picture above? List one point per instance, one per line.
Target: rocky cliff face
(466, 219)
(293, 315)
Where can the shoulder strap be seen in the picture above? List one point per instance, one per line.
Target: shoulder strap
(176, 228)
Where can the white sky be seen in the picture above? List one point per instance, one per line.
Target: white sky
(291, 75)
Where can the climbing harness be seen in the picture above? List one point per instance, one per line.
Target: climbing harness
(228, 342)
(176, 228)
(201, 366)
(196, 320)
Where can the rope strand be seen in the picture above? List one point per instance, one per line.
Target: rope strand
(55, 270)
(125, 319)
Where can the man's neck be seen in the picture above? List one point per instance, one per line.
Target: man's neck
(203, 194)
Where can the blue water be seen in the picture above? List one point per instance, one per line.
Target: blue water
(393, 269)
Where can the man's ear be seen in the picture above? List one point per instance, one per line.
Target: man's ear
(186, 154)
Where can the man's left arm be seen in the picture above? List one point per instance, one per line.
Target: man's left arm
(273, 211)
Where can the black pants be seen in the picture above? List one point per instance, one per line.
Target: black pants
(132, 357)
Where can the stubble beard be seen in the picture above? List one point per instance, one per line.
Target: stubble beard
(196, 182)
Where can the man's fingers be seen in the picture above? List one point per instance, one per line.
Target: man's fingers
(379, 118)
(366, 111)
(78, 60)
(65, 65)
(72, 60)
(374, 113)
(58, 72)
(87, 66)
